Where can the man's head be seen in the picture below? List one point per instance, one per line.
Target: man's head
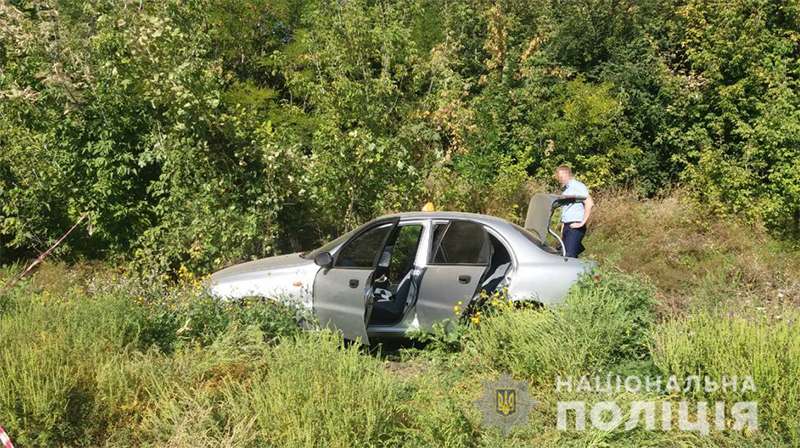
(563, 174)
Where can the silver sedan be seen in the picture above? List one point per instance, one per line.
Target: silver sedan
(408, 270)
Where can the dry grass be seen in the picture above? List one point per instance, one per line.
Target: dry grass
(693, 258)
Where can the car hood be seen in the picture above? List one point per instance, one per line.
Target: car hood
(259, 267)
(540, 212)
(286, 278)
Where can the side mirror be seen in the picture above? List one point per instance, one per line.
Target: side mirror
(324, 259)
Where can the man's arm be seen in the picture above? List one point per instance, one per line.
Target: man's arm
(588, 204)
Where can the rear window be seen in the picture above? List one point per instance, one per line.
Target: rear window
(532, 238)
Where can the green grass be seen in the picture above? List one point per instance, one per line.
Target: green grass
(75, 368)
(604, 323)
(103, 368)
(54, 356)
(94, 366)
(768, 350)
(93, 357)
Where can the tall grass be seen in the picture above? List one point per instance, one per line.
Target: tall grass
(77, 367)
(315, 392)
(108, 369)
(696, 260)
(53, 356)
(604, 323)
(93, 362)
(719, 346)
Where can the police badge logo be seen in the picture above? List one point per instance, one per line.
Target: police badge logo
(505, 403)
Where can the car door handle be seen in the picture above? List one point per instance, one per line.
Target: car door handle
(353, 283)
(464, 279)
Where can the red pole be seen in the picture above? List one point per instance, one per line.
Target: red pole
(4, 439)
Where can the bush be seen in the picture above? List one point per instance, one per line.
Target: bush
(199, 319)
(605, 321)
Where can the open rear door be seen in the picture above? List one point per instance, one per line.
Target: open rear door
(459, 257)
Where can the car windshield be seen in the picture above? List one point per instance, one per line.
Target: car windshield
(329, 246)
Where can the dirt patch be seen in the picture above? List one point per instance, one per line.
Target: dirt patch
(405, 369)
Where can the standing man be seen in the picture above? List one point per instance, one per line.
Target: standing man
(574, 216)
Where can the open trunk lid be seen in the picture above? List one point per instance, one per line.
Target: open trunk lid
(540, 213)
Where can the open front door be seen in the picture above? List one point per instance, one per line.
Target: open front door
(343, 292)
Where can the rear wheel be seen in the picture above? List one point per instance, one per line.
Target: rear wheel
(482, 303)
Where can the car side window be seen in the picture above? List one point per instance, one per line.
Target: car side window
(404, 251)
(460, 242)
(362, 251)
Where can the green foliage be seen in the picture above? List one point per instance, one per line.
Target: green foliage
(66, 358)
(727, 346)
(201, 320)
(445, 336)
(742, 95)
(199, 133)
(604, 323)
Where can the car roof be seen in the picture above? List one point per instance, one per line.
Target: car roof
(486, 219)
(524, 249)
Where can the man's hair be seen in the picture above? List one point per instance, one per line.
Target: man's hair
(564, 168)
